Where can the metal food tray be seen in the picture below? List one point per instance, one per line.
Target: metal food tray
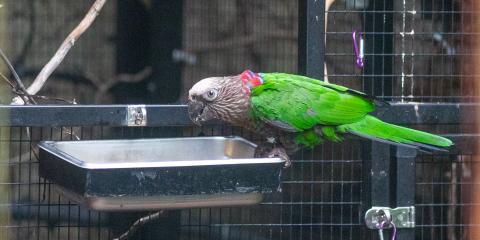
(167, 173)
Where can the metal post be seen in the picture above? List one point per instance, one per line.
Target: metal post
(380, 174)
(405, 185)
(376, 175)
(311, 38)
(378, 29)
(390, 183)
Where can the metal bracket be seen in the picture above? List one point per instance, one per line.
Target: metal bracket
(381, 217)
(136, 115)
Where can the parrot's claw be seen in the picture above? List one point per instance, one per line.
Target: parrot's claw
(280, 153)
(269, 151)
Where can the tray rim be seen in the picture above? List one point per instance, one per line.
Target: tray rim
(49, 146)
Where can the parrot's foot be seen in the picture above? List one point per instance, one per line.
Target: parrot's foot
(267, 150)
(282, 154)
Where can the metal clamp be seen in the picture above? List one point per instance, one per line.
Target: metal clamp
(382, 217)
(136, 115)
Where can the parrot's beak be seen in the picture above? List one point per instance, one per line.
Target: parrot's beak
(196, 111)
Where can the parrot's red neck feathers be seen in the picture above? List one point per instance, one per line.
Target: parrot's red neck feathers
(250, 80)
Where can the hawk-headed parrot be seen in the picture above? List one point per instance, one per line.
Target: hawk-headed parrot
(293, 111)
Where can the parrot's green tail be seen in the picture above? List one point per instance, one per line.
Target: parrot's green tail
(373, 128)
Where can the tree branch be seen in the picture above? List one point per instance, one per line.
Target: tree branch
(63, 50)
(19, 87)
(140, 222)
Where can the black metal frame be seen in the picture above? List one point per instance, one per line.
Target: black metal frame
(311, 36)
(85, 115)
(389, 178)
(176, 115)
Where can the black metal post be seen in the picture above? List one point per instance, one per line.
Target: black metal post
(380, 174)
(376, 175)
(390, 182)
(380, 186)
(405, 185)
(311, 38)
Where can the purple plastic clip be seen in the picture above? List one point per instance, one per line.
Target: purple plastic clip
(394, 233)
(359, 53)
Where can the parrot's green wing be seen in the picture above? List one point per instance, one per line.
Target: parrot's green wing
(299, 103)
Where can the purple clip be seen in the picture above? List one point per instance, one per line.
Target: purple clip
(359, 54)
(394, 233)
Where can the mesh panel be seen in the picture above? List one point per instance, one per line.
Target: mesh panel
(318, 198)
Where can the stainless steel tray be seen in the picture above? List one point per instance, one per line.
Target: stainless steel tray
(146, 174)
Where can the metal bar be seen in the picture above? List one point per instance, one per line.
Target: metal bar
(405, 185)
(380, 174)
(86, 115)
(176, 115)
(376, 175)
(62, 115)
(379, 85)
(311, 38)
(429, 113)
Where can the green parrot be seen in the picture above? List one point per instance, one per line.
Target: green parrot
(293, 111)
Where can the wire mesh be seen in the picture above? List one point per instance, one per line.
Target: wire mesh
(37, 210)
(230, 36)
(318, 198)
(416, 49)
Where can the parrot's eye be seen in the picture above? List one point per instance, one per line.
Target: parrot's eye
(211, 94)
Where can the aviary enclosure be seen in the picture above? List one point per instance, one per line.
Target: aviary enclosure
(418, 54)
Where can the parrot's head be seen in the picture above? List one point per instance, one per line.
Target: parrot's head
(218, 98)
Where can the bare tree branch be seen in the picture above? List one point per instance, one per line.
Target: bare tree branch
(140, 222)
(12, 70)
(19, 87)
(8, 81)
(63, 50)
